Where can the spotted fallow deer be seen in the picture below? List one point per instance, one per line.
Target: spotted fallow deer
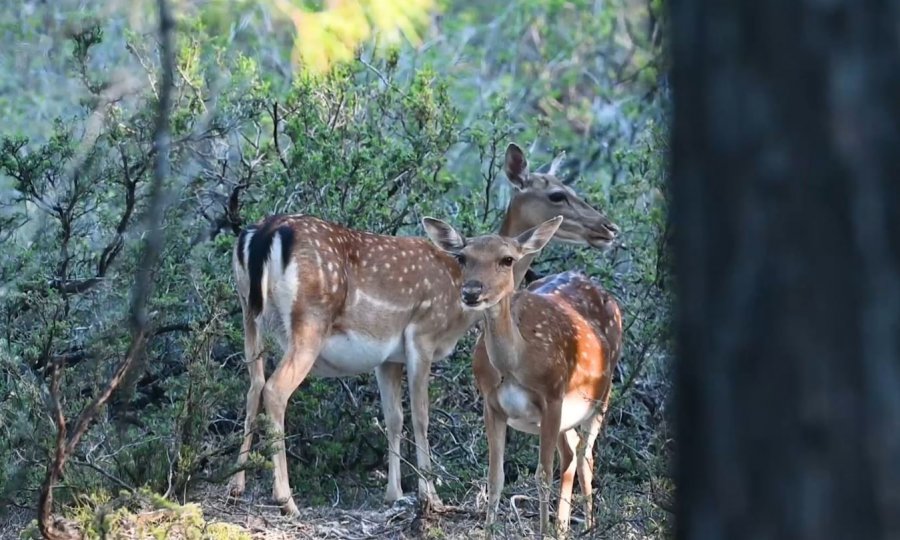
(344, 302)
(544, 364)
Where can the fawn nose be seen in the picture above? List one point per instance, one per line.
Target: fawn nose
(471, 292)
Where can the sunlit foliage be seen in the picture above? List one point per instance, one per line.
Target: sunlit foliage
(333, 34)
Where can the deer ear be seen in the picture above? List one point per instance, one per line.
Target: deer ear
(516, 166)
(443, 235)
(557, 163)
(555, 166)
(534, 240)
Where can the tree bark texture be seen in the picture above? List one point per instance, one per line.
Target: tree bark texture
(786, 167)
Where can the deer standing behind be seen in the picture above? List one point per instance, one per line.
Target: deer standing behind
(344, 302)
(544, 364)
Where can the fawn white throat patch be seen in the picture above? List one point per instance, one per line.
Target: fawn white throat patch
(519, 406)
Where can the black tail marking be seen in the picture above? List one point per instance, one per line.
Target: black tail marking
(241, 242)
(260, 244)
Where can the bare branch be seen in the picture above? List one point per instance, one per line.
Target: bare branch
(54, 470)
(278, 151)
(66, 444)
(161, 143)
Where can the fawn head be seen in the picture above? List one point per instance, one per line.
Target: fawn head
(487, 261)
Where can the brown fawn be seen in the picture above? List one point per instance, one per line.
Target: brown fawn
(342, 302)
(544, 364)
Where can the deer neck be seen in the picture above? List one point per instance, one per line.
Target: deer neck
(502, 337)
(510, 227)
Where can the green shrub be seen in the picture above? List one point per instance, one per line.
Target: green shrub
(374, 144)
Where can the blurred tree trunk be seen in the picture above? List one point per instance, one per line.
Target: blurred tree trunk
(786, 165)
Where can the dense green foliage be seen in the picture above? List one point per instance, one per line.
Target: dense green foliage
(374, 144)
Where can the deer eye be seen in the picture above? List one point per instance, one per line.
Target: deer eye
(507, 261)
(460, 258)
(557, 196)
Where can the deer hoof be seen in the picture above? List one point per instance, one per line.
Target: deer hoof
(392, 495)
(431, 502)
(236, 486)
(289, 508)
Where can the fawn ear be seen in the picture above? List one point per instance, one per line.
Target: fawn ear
(534, 240)
(443, 235)
(516, 166)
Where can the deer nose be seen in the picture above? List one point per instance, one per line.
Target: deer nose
(471, 292)
(612, 228)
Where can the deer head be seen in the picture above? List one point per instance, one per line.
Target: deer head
(487, 262)
(542, 195)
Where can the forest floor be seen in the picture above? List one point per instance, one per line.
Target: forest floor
(258, 518)
(403, 519)
(211, 516)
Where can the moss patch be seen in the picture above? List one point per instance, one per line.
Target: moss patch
(141, 516)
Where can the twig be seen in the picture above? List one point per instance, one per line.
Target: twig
(103, 473)
(375, 70)
(515, 507)
(350, 393)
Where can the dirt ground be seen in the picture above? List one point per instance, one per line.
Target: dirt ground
(401, 520)
(262, 520)
(634, 513)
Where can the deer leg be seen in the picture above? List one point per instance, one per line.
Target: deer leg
(567, 443)
(549, 434)
(304, 348)
(586, 466)
(418, 371)
(253, 358)
(389, 376)
(495, 429)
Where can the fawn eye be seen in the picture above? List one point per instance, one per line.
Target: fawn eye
(460, 258)
(507, 261)
(557, 196)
